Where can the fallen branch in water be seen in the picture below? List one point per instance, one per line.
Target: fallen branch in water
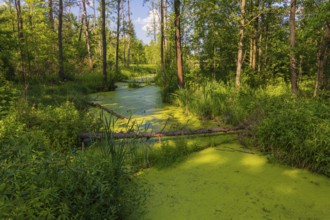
(161, 134)
(96, 105)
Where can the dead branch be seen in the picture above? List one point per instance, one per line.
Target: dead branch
(161, 134)
(96, 105)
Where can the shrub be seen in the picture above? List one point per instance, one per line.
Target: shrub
(297, 132)
(49, 185)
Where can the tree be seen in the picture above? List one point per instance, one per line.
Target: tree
(130, 30)
(104, 43)
(162, 39)
(293, 74)
(178, 44)
(60, 41)
(88, 41)
(322, 57)
(118, 34)
(240, 46)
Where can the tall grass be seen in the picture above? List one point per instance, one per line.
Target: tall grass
(294, 130)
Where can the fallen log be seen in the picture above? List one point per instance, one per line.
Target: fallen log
(96, 105)
(161, 134)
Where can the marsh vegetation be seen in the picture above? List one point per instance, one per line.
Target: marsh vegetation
(259, 65)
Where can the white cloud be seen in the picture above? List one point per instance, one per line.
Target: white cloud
(148, 22)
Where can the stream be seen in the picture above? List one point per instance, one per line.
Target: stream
(224, 181)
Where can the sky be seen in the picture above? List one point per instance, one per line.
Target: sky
(142, 17)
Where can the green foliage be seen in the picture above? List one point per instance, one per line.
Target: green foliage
(61, 125)
(8, 96)
(50, 185)
(38, 182)
(170, 153)
(293, 130)
(297, 132)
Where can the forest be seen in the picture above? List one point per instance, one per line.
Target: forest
(87, 109)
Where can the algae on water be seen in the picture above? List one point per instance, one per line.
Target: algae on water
(217, 183)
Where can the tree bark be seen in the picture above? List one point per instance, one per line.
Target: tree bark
(129, 34)
(240, 46)
(88, 41)
(162, 134)
(50, 15)
(178, 44)
(154, 26)
(117, 38)
(60, 41)
(162, 40)
(124, 32)
(20, 36)
(104, 44)
(322, 57)
(293, 78)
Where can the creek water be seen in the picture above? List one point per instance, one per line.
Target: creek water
(224, 181)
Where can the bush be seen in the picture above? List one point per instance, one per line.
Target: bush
(297, 132)
(47, 185)
(8, 95)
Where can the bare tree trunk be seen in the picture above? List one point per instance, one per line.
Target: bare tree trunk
(117, 38)
(259, 54)
(124, 32)
(154, 26)
(322, 57)
(88, 41)
(165, 28)
(129, 34)
(104, 44)
(240, 46)
(50, 15)
(293, 78)
(81, 28)
(178, 43)
(260, 33)
(251, 52)
(162, 39)
(20, 36)
(60, 41)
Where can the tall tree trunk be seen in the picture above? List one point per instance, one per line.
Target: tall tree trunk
(260, 33)
(20, 36)
(81, 28)
(154, 26)
(251, 52)
(50, 15)
(88, 41)
(129, 34)
(259, 54)
(178, 43)
(60, 41)
(117, 38)
(104, 44)
(322, 57)
(240, 46)
(162, 39)
(124, 32)
(256, 36)
(293, 78)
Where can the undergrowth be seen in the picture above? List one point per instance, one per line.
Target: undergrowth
(293, 130)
